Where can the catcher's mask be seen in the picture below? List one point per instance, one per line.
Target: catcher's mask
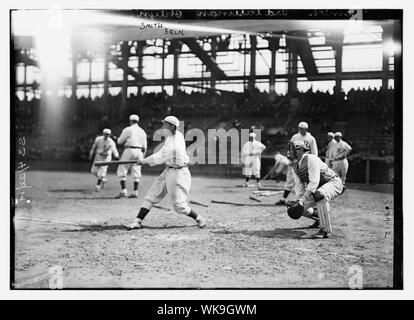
(292, 149)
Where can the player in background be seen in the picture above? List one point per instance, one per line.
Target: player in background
(309, 141)
(315, 184)
(281, 165)
(329, 149)
(134, 140)
(339, 159)
(251, 155)
(175, 180)
(102, 150)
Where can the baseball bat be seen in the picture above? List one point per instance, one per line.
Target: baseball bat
(107, 163)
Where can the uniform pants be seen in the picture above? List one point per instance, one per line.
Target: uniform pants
(174, 182)
(130, 154)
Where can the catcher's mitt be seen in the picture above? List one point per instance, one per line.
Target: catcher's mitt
(295, 211)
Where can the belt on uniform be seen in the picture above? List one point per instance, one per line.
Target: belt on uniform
(174, 167)
(135, 147)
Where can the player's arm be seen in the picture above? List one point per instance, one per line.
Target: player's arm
(114, 150)
(314, 171)
(159, 157)
(145, 144)
(299, 187)
(123, 137)
(93, 149)
(314, 147)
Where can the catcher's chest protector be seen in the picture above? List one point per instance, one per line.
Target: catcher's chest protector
(303, 173)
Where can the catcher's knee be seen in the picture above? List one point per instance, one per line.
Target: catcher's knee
(318, 196)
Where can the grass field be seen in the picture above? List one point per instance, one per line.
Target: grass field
(252, 246)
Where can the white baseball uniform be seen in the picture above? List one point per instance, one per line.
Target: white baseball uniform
(133, 138)
(251, 154)
(281, 163)
(175, 179)
(103, 150)
(330, 153)
(340, 162)
(310, 142)
(312, 175)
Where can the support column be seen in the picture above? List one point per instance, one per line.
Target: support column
(163, 64)
(90, 59)
(176, 51)
(252, 78)
(106, 72)
(24, 81)
(124, 63)
(74, 83)
(213, 56)
(338, 67)
(273, 44)
(292, 72)
(140, 51)
(387, 36)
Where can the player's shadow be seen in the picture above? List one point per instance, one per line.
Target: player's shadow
(280, 233)
(87, 198)
(87, 191)
(119, 227)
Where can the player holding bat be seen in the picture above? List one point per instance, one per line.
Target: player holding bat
(175, 180)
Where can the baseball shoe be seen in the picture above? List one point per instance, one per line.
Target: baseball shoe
(314, 225)
(133, 195)
(201, 222)
(281, 202)
(98, 188)
(121, 195)
(321, 234)
(137, 224)
(103, 183)
(245, 184)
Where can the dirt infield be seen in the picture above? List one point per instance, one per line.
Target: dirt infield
(254, 246)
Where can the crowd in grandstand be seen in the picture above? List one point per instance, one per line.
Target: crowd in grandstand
(320, 107)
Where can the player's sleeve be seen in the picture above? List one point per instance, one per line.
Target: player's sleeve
(145, 140)
(314, 147)
(124, 136)
(314, 171)
(347, 147)
(159, 157)
(245, 150)
(114, 149)
(299, 186)
(94, 147)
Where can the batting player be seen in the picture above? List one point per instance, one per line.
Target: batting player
(309, 141)
(339, 157)
(329, 149)
(251, 153)
(134, 140)
(102, 150)
(315, 184)
(174, 180)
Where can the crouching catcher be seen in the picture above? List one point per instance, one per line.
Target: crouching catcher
(315, 185)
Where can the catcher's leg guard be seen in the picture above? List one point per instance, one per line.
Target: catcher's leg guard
(324, 215)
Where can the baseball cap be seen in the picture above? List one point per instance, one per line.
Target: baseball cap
(331, 134)
(252, 134)
(303, 125)
(338, 134)
(172, 120)
(106, 131)
(133, 117)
